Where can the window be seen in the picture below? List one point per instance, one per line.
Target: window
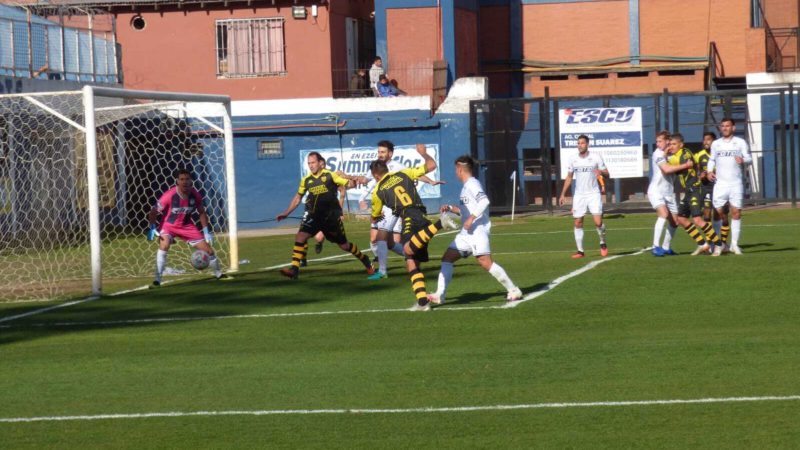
(250, 48)
(270, 149)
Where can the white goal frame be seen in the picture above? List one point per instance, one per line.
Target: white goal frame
(89, 94)
(81, 170)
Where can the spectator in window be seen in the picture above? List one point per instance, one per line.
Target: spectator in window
(385, 88)
(375, 73)
(358, 84)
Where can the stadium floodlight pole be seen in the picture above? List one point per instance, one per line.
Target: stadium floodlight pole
(94, 192)
(230, 179)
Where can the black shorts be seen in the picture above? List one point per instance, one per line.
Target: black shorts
(414, 220)
(707, 192)
(330, 223)
(692, 204)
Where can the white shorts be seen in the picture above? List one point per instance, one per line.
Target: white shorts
(592, 203)
(667, 200)
(390, 222)
(730, 193)
(475, 243)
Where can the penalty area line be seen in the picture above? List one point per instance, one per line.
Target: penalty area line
(421, 410)
(553, 284)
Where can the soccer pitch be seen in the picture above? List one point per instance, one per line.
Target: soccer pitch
(637, 351)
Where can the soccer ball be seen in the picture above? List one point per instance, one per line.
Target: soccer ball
(200, 259)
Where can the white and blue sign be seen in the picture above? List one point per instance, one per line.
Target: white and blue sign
(615, 133)
(356, 160)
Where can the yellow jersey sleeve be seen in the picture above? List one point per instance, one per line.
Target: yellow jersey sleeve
(339, 180)
(377, 205)
(415, 172)
(302, 189)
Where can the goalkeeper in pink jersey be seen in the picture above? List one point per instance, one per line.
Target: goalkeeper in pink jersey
(176, 207)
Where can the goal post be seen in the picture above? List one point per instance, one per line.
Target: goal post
(79, 172)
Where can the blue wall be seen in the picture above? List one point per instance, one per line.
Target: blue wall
(264, 187)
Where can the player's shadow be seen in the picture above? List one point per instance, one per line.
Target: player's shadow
(757, 248)
(498, 297)
(248, 293)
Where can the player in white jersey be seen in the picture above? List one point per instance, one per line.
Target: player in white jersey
(729, 155)
(661, 193)
(382, 233)
(473, 239)
(585, 168)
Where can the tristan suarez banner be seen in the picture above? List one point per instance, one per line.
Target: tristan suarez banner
(615, 133)
(356, 161)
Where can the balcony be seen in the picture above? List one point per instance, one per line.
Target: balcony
(37, 48)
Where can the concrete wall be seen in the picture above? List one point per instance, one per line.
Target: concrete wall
(265, 186)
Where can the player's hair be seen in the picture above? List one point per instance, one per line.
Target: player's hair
(677, 136)
(663, 134)
(466, 162)
(584, 137)
(378, 167)
(183, 171)
(728, 119)
(388, 144)
(378, 58)
(710, 133)
(317, 156)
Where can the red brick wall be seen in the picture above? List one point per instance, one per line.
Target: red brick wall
(413, 38)
(413, 35)
(466, 42)
(616, 85)
(781, 13)
(574, 32)
(494, 45)
(176, 52)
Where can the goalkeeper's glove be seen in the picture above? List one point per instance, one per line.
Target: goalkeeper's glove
(152, 232)
(208, 236)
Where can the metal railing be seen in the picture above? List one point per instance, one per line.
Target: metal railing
(521, 135)
(41, 49)
(428, 78)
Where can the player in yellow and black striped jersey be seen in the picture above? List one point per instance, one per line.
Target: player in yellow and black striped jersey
(692, 203)
(398, 191)
(323, 213)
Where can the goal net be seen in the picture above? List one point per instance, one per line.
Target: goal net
(79, 171)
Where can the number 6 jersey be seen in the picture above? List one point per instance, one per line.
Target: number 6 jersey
(397, 191)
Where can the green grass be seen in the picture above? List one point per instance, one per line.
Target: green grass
(635, 328)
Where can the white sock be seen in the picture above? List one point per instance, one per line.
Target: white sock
(657, 230)
(736, 230)
(374, 247)
(213, 262)
(161, 262)
(382, 252)
(601, 233)
(398, 248)
(500, 275)
(717, 226)
(445, 275)
(579, 238)
(666, 245)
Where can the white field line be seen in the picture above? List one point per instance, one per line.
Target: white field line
(553, 284)
(145, 287)
(421, 410)
(49, 308)
(533, 233)
(530, 296)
